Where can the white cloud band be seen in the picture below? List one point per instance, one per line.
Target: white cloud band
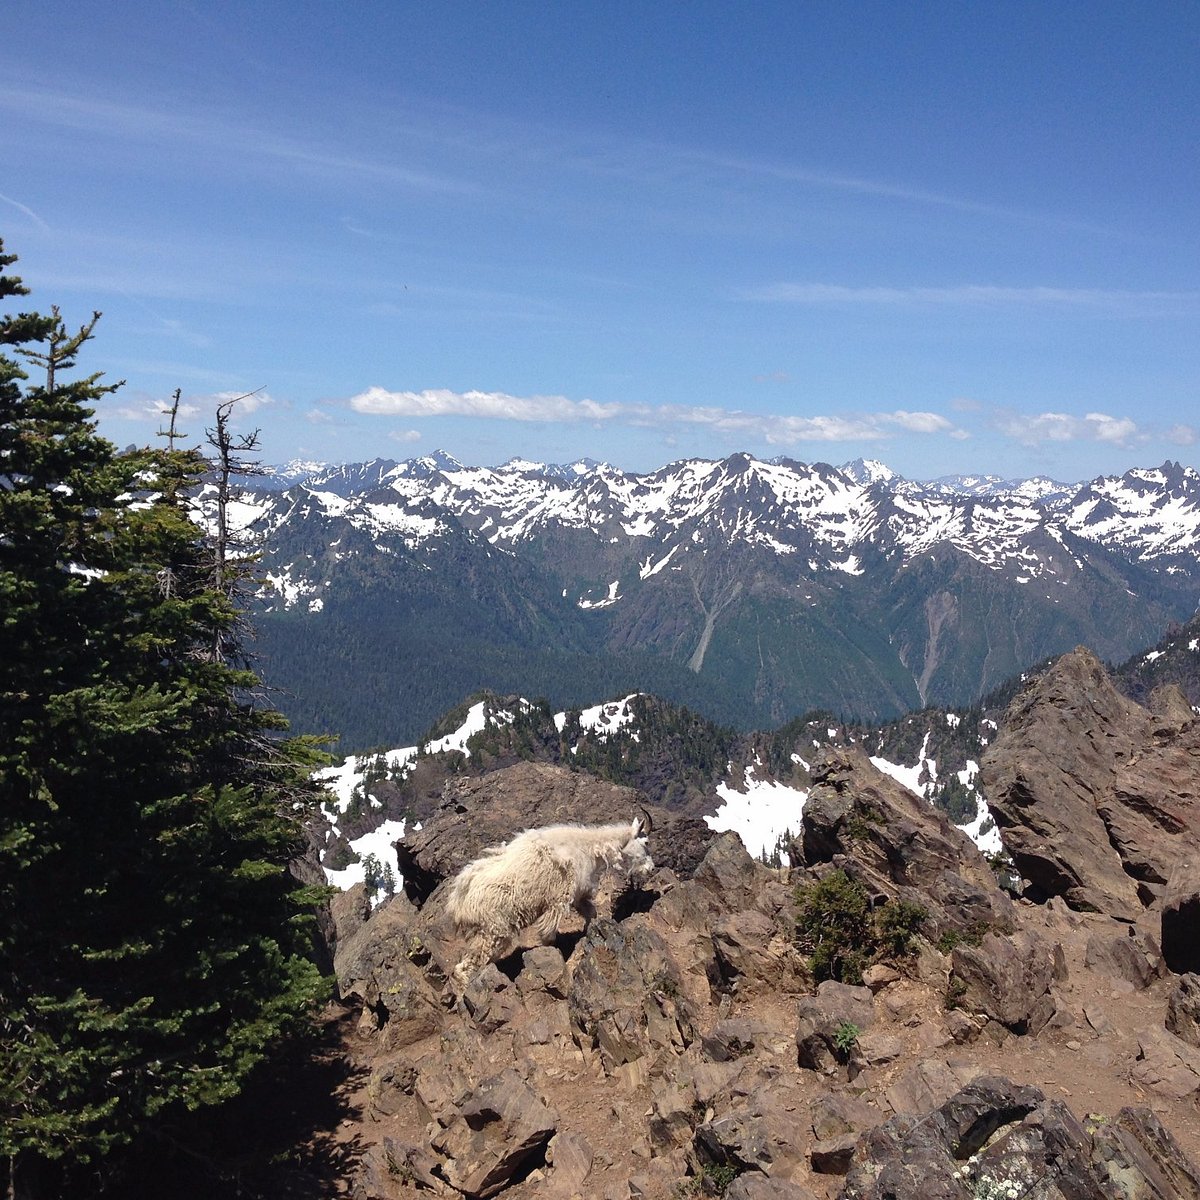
(773, 428)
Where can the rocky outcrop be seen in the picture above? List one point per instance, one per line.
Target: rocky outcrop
(486, 810)
(1183, 1009)
(1094, 795)
(829, 1024)
(625, 999)
(897, 845)
(1008, 979)
(501, 1129)
(679, 1045)
(1181, 916)
(385, 968)
(1133, 956)
(996, 1139)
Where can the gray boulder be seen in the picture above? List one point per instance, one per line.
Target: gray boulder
(896, 845)
(625, 998)
(499, 1127)
(1009, 979)
(825, 1019)
(1183, 1009)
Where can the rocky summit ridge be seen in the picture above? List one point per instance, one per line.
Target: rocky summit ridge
(989, 1032)
(750, 590)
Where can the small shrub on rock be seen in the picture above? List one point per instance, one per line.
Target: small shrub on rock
(898, 924)
(842, 934)
(845, 1038)
(834, 926)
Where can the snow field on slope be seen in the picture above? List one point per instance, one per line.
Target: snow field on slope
(760, 812)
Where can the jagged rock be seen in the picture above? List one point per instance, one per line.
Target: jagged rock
(1183, 1009)
(491, 999)
(836, 1005)
(1135, 1149)
(714, 1081)
(926, 1085)
(1132, 956)
(874, 1049)
(672, 1118)
(1009, 978)
(757, 1135)
(447, 1072)
(625, 998)
(1181, 916)
(760, 1187)
(832, 1156)
(878, 975)
(835, 1113)
(390, 1165)
(751, 950)
(349, 911)
(897, 845)
(1166, 1064)
(837, 1121)
(543, 969)
(735, 1037)
(1095, 795)
(679, 843)
(994, 1138)
(729, 884)
(378, 966)
(736, 882)
(500, 1130)
(570, 1155)
(392, 1080)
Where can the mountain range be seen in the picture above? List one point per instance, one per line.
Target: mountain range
(752, 591)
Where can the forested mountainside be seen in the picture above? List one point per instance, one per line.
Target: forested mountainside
(679, 760)
(750, 591)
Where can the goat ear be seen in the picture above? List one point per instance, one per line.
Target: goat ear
(637, 827)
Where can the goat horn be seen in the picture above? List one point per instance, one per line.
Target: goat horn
(647, 821)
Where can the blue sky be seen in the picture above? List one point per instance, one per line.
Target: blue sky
(954, 237)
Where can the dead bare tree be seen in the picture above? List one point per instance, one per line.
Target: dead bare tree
(233, 455)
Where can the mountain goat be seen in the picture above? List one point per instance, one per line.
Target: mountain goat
(536, 879)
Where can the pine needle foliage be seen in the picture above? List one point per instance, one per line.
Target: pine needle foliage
(152, 943)
(842, 933)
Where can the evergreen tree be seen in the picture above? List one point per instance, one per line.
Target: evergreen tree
(151, 940)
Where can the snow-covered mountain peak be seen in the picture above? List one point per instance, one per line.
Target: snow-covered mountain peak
(869, 470)
(818, 517)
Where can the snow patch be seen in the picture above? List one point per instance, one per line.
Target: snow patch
(380, 842)
(760, 815)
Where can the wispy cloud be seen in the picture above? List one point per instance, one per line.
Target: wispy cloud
(1182, 435)
(976, 296)
(153, 410)
(229, 137)
(144, 408)
(440, 402)
(773, 428)
(1033, 430)
(23, 208)
(248, 403)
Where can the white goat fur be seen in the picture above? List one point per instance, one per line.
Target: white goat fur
(536, 879)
